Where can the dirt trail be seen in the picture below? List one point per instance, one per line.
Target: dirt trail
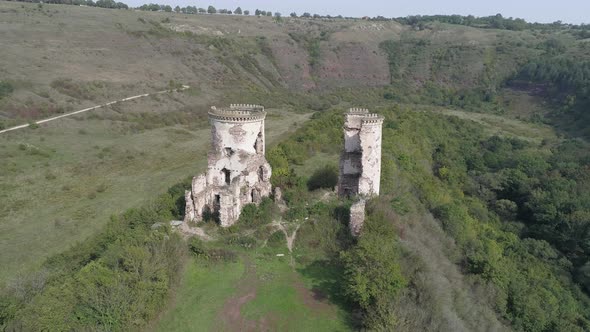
(230, 316)
(290, 239)
(184, 87)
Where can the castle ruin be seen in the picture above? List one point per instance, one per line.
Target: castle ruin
(360, 162)
(237, 172)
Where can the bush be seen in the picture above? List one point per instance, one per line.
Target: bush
(325, 177)
(253, 216)
(5, 89)
(277, 239)
(372, 274)
(243, 241)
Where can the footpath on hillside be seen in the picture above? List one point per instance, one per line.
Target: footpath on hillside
(184, 87)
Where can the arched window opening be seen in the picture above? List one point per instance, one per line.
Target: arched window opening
(227, 174)
(259, 144)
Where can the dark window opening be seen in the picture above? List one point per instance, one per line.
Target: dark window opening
(259, 144)
(228, 152)
(227, 174)
(217, 201)
(255, 196)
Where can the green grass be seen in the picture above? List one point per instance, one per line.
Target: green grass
(280, 297)
(60, 183)
(284, 298)
(200, 296)
(314, 163)
(504, 126)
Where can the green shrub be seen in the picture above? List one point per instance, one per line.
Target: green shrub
(324, 177)
(277, 239)
(5, 89)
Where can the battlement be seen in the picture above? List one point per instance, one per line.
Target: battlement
(361, 116)
(238, 113)
(356, 110)
(374, 119)
(246, 107)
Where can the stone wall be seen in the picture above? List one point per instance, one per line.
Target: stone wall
(237, 172)
(360, 162)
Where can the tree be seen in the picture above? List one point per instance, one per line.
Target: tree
(293, 14)
(269, 13)
(371, 271)
(177, 9)
(211, 10)
(325, 177)
(306, 15)
(246, 12)
(238, 11)
(277, 14)
(167, 8)
(257, 12)
(202, 10)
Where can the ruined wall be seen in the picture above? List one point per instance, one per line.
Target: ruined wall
(357, 217)
(237, 172)
(360, 162)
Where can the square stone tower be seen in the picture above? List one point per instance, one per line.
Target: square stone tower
(360, 162)
(237, 171)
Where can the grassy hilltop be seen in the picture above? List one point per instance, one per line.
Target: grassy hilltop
(482, 224)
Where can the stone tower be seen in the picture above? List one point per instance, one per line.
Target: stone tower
(360, 162)
(237, 171)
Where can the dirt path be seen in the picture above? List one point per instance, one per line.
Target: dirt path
(184, 87)
(230, 316)
(291, 238)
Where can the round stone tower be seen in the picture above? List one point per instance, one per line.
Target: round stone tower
(239, 127)
(237, 172)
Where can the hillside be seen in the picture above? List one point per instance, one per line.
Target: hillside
(65, 57)
(483, 221)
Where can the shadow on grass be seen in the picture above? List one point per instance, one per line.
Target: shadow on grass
(326, 277)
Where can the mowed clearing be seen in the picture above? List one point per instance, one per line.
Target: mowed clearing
(60, 183)
(260, 292)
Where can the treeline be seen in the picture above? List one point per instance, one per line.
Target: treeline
(491, 22)
(567, 84)
(200, 10)
(90, 3)
(115, 281)
(567, 75)
(237, 11)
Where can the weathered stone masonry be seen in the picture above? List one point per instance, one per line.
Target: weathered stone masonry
(237, 172)
(360, 162)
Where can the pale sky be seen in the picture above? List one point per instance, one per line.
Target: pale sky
(545, 11)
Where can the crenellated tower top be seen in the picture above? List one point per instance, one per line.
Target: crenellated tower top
(238, 113)
(356, 117)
